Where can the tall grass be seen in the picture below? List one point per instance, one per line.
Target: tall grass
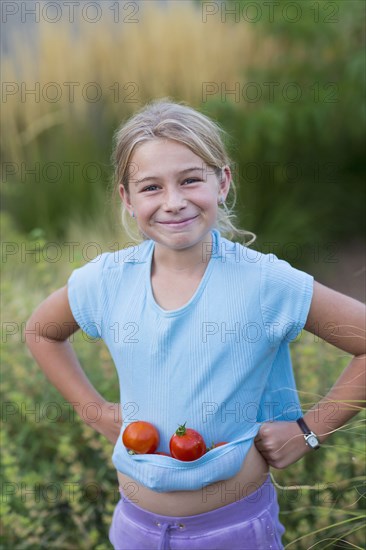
(171, 51)
(168, 52)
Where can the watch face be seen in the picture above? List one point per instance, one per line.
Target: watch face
(312, 441)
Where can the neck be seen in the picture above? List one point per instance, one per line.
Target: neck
(183, 260)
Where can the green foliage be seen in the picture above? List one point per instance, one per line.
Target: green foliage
(298, 129)
(297, 122)
(59, 486)
(322, 497)
(64, 177)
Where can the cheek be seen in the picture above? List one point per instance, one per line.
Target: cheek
(210, 201)
(207, 197)
(145, 207)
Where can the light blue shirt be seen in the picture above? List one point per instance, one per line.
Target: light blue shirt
(220, 363)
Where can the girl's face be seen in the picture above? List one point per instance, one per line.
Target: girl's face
(173, 194)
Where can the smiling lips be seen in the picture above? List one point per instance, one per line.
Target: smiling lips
(178, 222)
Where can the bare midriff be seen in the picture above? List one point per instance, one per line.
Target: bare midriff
(189, 503)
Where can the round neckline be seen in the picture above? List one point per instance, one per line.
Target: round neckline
(215, 235)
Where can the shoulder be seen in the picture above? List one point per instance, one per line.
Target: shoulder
(133, 254)
(238, 254)
(104, 268)
(267, 266)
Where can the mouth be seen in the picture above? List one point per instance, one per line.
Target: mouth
(178, 223)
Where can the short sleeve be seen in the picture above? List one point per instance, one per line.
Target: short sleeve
(285, 298)
(85, 296)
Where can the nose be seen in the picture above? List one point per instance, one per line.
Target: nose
(174, 200)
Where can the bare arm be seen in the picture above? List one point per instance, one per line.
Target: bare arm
(339, 320)
(46, 333)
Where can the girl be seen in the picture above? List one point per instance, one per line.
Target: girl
(198, 327)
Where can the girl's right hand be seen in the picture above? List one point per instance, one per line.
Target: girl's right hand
(110, 421)
(281, 443)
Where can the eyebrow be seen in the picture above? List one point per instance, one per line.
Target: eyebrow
(191, 169)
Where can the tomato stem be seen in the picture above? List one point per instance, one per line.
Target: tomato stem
(182, 429)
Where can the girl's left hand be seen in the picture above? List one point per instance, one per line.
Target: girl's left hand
(281, 443)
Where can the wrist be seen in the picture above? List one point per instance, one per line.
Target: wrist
(310, 437)
(313, 419)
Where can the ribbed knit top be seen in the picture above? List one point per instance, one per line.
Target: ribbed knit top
(220, 363)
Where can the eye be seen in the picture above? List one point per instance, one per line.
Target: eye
(191, 180)
(150, 188)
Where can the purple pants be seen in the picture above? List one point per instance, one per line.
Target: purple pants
(249, 524)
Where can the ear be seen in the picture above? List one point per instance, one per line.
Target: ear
(125, 197)
(224, 185)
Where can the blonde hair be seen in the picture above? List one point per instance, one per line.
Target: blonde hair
(166, 119)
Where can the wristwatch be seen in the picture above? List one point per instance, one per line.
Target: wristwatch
(309, 436)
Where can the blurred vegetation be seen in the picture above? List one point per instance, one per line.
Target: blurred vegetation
(296, 118)
(59, 485)
(295, 129)
(300, 145)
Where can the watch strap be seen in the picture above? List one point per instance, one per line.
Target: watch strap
(303, 426)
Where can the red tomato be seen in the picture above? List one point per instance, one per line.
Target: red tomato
(187, 444)
(141, 437)
(214, 445)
